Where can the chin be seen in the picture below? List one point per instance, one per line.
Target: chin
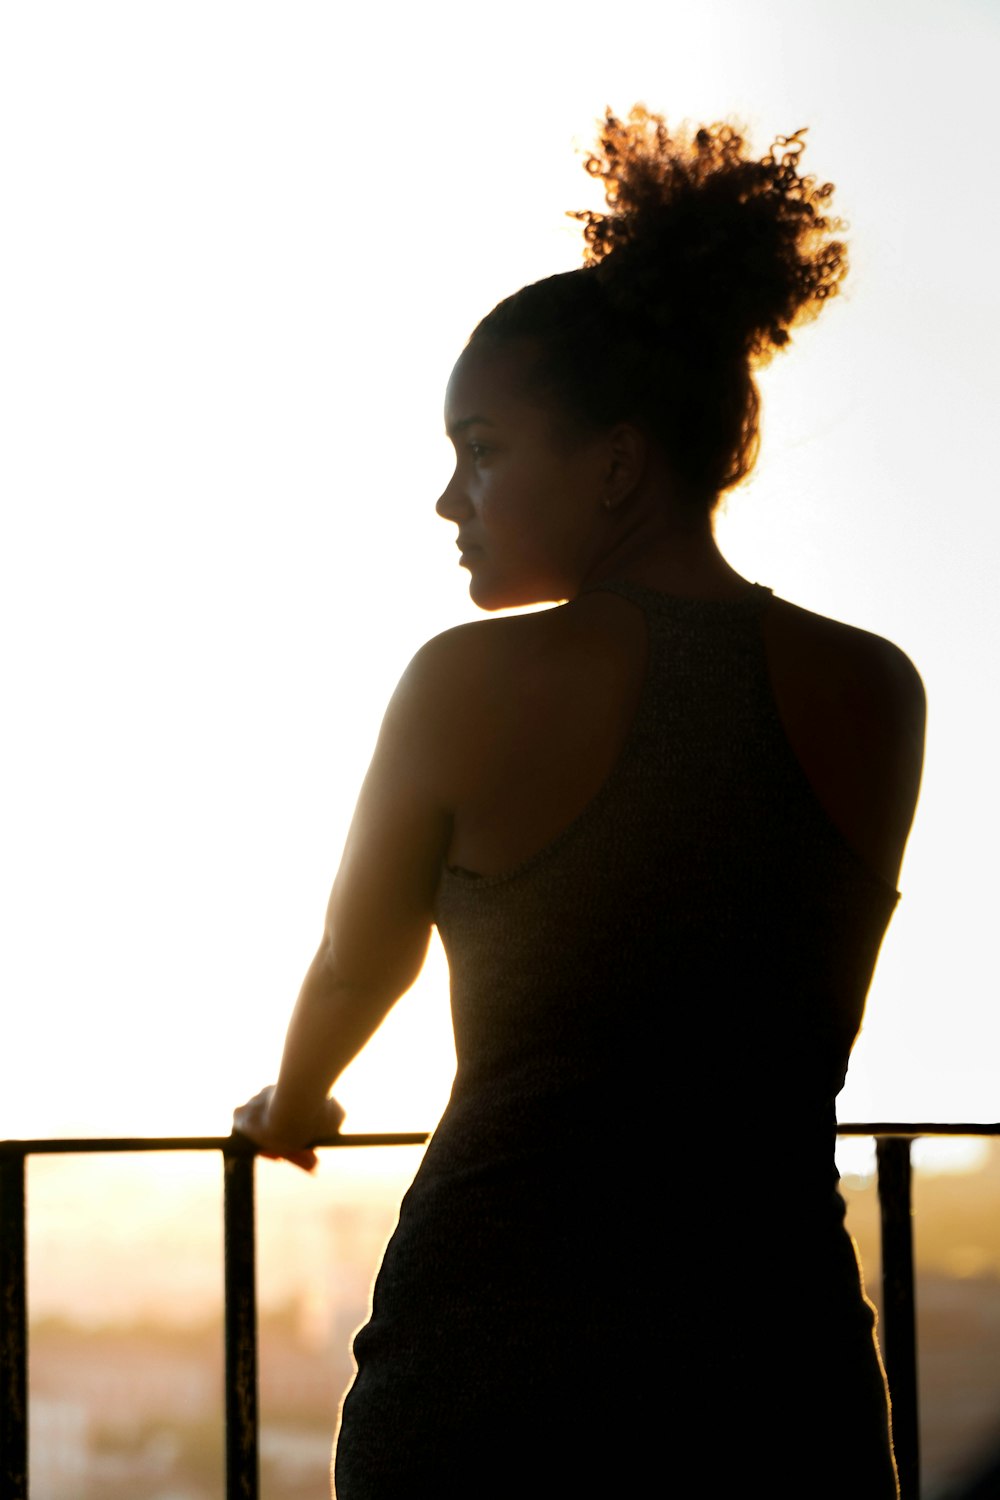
(491, 603)
(492, 594)
(490, 599)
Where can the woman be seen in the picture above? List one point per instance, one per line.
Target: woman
(659, 829)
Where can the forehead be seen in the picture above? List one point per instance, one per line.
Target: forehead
(491, 382)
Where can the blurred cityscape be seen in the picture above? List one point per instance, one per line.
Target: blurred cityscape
(126, 1341)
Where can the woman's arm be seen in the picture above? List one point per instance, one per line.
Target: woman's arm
(379, 917)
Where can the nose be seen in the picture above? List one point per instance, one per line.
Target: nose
(452, 504)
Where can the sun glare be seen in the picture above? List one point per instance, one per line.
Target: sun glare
(228, 327)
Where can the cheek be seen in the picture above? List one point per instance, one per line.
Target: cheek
(525, 507)
(508, 508)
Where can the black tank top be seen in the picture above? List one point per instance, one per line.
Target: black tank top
(595, 1257)
(701, 933)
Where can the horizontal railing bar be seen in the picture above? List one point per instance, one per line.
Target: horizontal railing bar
(912, 1132)
(96, 1144)
(232, 1144)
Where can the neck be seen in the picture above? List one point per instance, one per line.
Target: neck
(670, 551)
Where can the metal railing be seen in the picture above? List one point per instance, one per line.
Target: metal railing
(898, 1322)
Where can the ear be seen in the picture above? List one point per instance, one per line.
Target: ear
(626, 463)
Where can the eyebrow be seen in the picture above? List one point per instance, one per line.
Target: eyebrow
(457, 427)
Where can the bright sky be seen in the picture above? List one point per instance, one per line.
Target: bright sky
(242, 245)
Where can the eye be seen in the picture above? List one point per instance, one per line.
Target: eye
(478, 451)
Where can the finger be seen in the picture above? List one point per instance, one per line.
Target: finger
(307, 1160)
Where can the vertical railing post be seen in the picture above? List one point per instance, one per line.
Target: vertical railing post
(13, 1329)
(899, 1334)
(241, 1324)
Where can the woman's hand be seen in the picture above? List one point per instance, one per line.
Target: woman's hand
(254, 1120)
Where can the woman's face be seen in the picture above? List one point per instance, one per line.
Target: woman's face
(526, 495)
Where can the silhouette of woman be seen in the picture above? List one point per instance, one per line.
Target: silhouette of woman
(659, 828)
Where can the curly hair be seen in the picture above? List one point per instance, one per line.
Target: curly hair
(691, 279)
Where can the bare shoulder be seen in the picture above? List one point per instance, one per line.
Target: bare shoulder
(854, 709)
(490, 701)
(843, 662)
(459, 696)
(489, 659)
(808, 631)
(469, 665)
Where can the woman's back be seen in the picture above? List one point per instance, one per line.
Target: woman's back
(634, 979)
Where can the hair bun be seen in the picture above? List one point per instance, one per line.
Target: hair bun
(711, 247)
